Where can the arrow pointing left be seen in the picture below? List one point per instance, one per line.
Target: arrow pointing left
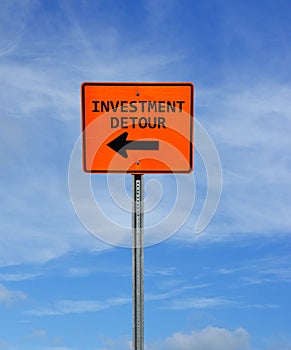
(121, 145)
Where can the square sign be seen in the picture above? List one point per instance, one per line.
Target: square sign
(137, 128)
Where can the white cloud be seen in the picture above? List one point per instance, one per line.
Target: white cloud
(64, 307)
(271, 269)
(15, 277)
(156, 271)
(252, 116)
(40, 121)
(248, 124)
(197, 303)
(210, 338)
(10, 296)
(251, 129)
(37, 92)
(35, 192)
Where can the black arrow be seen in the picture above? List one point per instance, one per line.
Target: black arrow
(120, 145)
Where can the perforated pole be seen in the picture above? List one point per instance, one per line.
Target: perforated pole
(138, 263)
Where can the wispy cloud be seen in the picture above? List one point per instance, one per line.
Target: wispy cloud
(272, 269)
(197, 303)
(156, 271)
(64, 307)
(250, 128)
(10, 296)
(80, 271)
(181, 288)
(46, 82)
(108, 268)
(258, 306)
(38, 131)
(13, 24)
(16, 277)
(181, 300)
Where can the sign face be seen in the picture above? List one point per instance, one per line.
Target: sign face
(137, 128)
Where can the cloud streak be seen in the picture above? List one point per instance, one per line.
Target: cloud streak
(271, 269)
(197, 303)
(65, 307)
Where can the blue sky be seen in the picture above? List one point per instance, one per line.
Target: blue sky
(227, 288)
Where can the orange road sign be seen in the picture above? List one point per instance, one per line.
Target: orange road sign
(137, 128)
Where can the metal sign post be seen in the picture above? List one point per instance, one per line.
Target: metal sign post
(138, 263)
(152, 122)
